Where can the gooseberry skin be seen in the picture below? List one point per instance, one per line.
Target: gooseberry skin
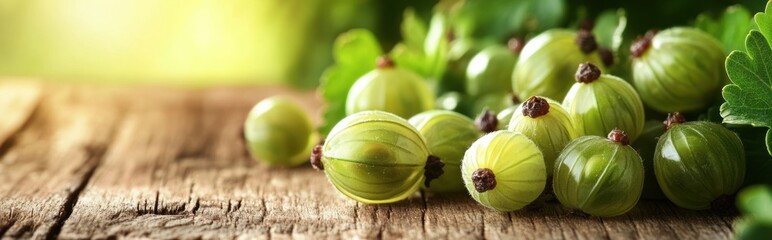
(490, 71)
(697, 162)
(547, 64)
(279, 132)
(448, 134)
(604, 104)
(495, 102)
(598, 176)
(505, 116)
(551, 132)
(518, 166)
(451, 101)
(375, 157)
(682, 70)
(390, 89)
(461, 51)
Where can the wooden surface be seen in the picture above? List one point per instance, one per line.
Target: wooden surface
(106, 162)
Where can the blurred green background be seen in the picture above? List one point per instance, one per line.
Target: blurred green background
(207, 42)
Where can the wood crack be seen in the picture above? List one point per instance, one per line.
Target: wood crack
(196, 206)
(95, 155)
(482, 229)
(423, 212)
(238, 205)
(9, 226)
(605, 227)
(356, 215)
(265, 211)
(155, 204)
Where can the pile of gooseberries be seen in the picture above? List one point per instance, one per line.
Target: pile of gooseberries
(579, 134)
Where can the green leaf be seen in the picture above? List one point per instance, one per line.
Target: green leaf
(609, 29)
(436, 46)
(756, 202)
(769, 142)
(546, 14)
(498, 20)
(730, 28)
(752, 230)
(422, 52)
(758, 162)
(764, 21)
(412, 59)
(355, 46)
(355, 53)
(413, 30)
(749, 98)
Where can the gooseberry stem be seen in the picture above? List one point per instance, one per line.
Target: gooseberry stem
(483, 180)
(642, 44)
(433, 169)
(618, 136)
(487, 121)
(606, 56)
(384, 62)
(515, 100)
(586, 41)
(587, 24)
(450, 36)
(587, 72)
(673, 119)
(316, 158)
(516, 45)
(535, 107)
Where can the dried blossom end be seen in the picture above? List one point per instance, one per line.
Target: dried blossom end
(483, 180)
(316, 158)
(587, 72)
(433, 169)
(673, 119)
(618, 136)
(535, 107)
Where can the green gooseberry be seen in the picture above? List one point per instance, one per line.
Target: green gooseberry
(600, 103)
(504, 170)
(376, 157)
(453, 101)
(461, 51)
(495, 102)
(488, 120)
(599, 176)
(678, 69)
(505, 116)
(698, 162)
(279, 132)
(548, 61)
(545, 122)
(448, 134)
(646, 145)
(390, 89)
(490, 71)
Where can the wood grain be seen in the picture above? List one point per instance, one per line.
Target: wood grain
(106, 162)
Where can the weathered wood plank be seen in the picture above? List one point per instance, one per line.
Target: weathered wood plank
(18, 101)
(191, 177)
(50, 161)
(454, 216)
(97, 162)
